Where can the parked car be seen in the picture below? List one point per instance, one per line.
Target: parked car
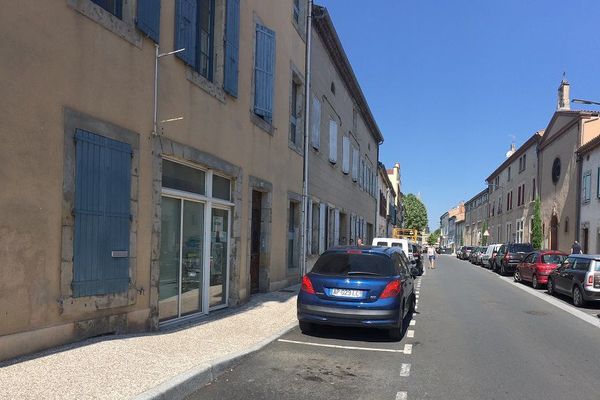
(474, 254)
(490, 255)
(578, 277)
(536, 267)
(510, 255)
(358, 286)
(459, 252)
(416, 249)
(466, 252)
(404, 244)
(479, 257)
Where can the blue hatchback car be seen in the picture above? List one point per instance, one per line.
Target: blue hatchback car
(358, 286)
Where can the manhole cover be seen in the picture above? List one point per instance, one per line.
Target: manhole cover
(538, 313)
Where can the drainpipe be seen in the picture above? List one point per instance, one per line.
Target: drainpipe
(307, 69)
(579, 161)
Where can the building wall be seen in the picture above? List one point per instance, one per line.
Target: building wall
(476, 211)
(590, 211)
(69, 62)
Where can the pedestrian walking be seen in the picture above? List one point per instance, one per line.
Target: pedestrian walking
(576, 248)
(431, 256)
(359, 242)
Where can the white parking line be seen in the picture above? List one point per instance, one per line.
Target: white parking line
(410, 334)
(401, 396)
(407, 348)
(412, 322)
(555, 302)
(405, 370)
(335, 346)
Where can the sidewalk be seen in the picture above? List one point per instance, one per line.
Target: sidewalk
(123, 367)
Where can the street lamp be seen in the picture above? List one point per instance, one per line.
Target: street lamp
(581, 101)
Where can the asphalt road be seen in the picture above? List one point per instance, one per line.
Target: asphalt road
(474, 336)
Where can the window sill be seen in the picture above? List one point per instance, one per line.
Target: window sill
(77, 305)
(124, 30)
(296, 148)
(204, 84)
(262, 124)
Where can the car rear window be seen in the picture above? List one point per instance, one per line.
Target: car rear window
(553, 258)
(522, 248)
(382, 244)
(398, 245)
(354, 264)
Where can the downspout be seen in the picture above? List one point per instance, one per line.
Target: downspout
(307, 69)
(579, 161)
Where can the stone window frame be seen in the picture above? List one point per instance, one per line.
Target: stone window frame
(213, 87)
(170, 149)
(123, 27)
(300, 25)
(266, 188)
(268, 127)
(70, 305)
(296, 198)
(297, 78)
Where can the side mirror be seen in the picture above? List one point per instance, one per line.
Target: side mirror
(414, 271)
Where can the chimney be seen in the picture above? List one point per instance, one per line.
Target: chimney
(564, 100)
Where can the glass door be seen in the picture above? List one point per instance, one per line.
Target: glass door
(168, 304)
(192, 251)
(219, 256)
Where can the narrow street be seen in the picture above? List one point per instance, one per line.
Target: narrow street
(475, 335)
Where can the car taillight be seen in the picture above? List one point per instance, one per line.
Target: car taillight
(392, 289)
(589, 279)
(307, 285)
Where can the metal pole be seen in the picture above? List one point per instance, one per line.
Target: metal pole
(307, 69)
(155, 118)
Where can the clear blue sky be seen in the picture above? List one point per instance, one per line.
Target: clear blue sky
(449, 82)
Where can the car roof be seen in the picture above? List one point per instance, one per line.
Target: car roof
(365, 249)
(586, 256)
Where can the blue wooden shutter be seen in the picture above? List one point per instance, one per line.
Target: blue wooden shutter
(148, 18)
(102, 203)
(264, 69)
(186, 12)
(232, 44)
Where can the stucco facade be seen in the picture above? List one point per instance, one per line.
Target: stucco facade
(476, 213)
(512, 192)
(78, 67)
(386, 203)
(344, 145)
(589, 219)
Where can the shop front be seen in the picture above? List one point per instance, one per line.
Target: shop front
(195, 240)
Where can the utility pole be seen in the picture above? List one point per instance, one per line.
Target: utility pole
(304, 240)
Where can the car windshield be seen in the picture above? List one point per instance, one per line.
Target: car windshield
(553, 258)
(354, 264)
(382, 244)
(522, 248)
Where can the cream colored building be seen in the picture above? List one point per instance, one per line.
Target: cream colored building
(344, 147)
(589, 220)
(512, 192)
(558, 170)
(386, 203)
(394, 175)
(110, 225)
(476, 213)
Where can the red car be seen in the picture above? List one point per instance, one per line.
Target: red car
(536, 267)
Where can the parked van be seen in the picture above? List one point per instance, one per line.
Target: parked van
(405, 244)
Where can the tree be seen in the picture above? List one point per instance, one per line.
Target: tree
(536, 231)
(433, 238)
(415, 213)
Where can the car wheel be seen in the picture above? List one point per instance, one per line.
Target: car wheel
(550, 287)
(517, 276)
(535, 283)
(396, 332)
(305, 327)
(577, 297)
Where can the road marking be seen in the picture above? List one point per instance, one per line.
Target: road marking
(335, 346)
(401, 396)
(407, 349)
(555, 302)
(412, 322)
(417, 296)
(410, 334)
(405, 370)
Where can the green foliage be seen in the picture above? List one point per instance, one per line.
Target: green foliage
(415, 213)
(536, 231)
(433, 238)
(483, 237)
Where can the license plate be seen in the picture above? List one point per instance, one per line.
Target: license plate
(355, 294)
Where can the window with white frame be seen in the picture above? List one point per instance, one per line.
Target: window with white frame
(519, 238)
(354, 164)
(345, 154)
(315, 123)
(333, 130)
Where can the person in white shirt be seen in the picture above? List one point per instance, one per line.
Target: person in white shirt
(431, 255)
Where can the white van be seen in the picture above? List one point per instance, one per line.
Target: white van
(404, 244)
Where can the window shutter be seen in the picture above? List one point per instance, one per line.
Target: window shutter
(354, 164)
(102, 218)
(345, 154)
(315, 123)
(232, 44)
(148, 18)
(322, 211)
(336, 227)
(264, 68)
(309, 227)
(185, 30)
(333, 127)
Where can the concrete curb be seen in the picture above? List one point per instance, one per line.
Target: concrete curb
(186, 383)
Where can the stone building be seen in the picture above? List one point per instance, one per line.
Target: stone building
(476, 214)
(558, 174)
(386, 203)
(343, 150)
(512, 192)
(394, 175)
(589, 196)
(119, 216)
